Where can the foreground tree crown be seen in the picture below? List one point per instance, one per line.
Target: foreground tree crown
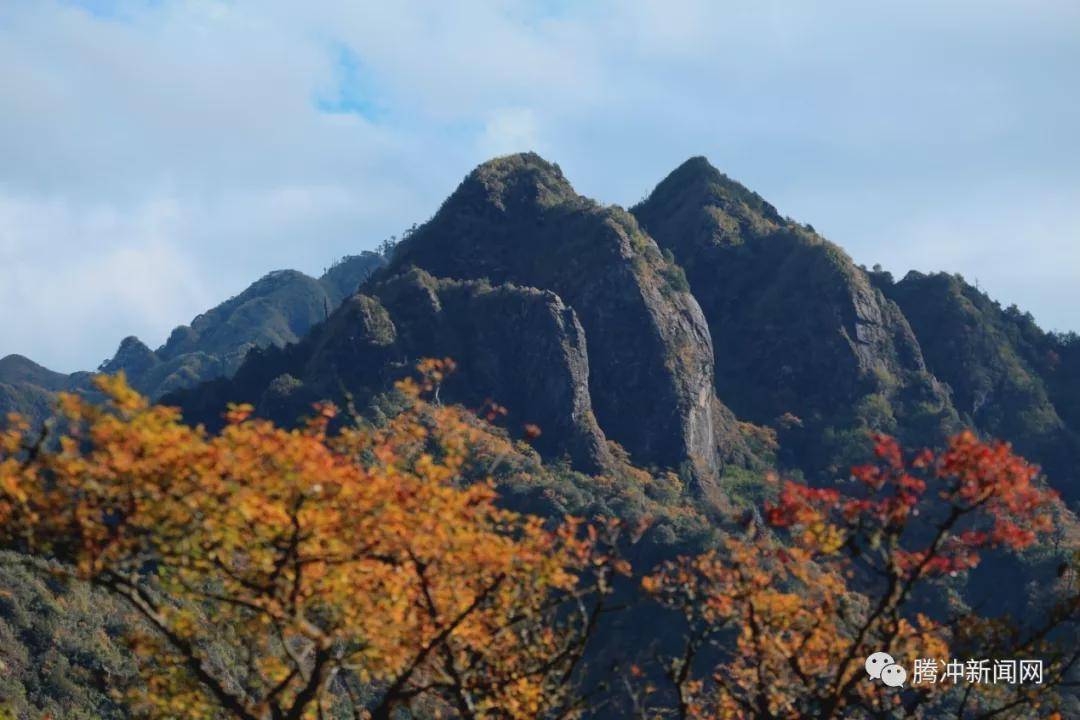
(794, 615)
(269, 566)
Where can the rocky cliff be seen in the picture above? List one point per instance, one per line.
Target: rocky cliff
(518, 346)
(561, 309)
(517, 219)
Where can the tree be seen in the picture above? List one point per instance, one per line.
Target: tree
(779, 625)
(362, 573)
(297, 574)
(386, 246)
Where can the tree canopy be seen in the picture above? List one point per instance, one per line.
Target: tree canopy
(363, 572)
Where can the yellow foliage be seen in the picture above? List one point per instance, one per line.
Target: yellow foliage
(302, 556)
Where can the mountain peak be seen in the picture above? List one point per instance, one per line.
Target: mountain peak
(16, 361)
(19, 369)
(698, 181)
(516, 182)
(133, 357)
(697, 166)
(516, 163)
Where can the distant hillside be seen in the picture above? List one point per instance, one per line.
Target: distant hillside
(27, 388)
(275, 310)
(1008, 377)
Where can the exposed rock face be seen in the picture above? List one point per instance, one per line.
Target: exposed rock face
(796, 326)
(516, 219)
(520, 346)
(557, 308)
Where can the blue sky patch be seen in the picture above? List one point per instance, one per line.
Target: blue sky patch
(352, 90)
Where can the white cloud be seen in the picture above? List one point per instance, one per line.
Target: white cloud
(81, 269)
(510, 130)
(156, 157)
(1024, 253)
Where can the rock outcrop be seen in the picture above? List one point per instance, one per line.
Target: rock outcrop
(675, 331)
(276, 310)
(516, 219)
(520, 346)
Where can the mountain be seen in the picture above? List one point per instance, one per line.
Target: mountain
(276, 310)
(701, 332)
(1008, 378)
(27, 388)
(799, 330)
(518, 220)
(700, 335)
(558, 307)
(687, 333)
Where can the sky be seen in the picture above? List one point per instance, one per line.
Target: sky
(156, 157)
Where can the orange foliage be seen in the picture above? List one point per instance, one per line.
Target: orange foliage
(279, 571)
(793, 614)
(299, 573)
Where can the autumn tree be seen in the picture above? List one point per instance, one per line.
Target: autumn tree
(778, 622)
(301, 573)
(365, 572)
